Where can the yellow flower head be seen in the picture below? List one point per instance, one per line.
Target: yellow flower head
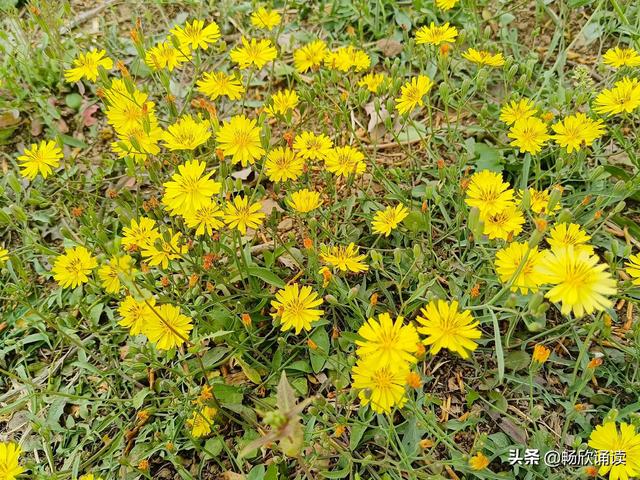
(346, 58)
(240, 138)
(89, 476)
(574, 130)
(517, 110)
(384, 221)
(621, 57)
(139, 142)
(344, 161)
(624, 97)
(165, 55)
(519, 264)
(479, 461)
(165, 249)
(581, 284)
(529, 134)
(4, 256)
(446, 4)
(110, 273)
(40, 158)
(436, 34)
(564, 235)
(282, 102)
(344, 258)
(388, 342)
(382, 386)
(488, 193)
(412, 93)
(253, 52)
(240, 214)
(503, 224)
(283, 164)
(167, 327)
(539, 201)
(372, 81)
(311, 146)
(310, 56)
(304, 201)
(140, 234)
(296, 307)
(73, 267)
(128, 110)
(633, 269)
(217, 84)
(607, 440)
(86, 65)
(201, 421)
(135, 314)
(10, 460)
(195, 35)
(205, 219)
(189, 189)
(482, 57)
(186, 134)
(540, 354)
(266, 19)
(445, 326)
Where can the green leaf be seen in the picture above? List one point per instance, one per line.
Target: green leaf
(357, 431)
(517, 360)
(73, 142)
(266, 275)
(251, 373)
(73, 100)
(489, 158)
(213, 447)
(319, 357)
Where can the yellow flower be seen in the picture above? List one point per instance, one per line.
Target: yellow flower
(296, 307)
(574, 130)
(311, 146)
(539, 201)
(540, 354)
(519, 257)
(189, 189)
(73, 267)
(282, 102)
(165, 55)
(186, 134)
(162, 251)
(382, 386)
(140, 234)
(304, 201)
(482, 57)
(344, 161)
(488, 193)
(445, 326)
(10, 460)
(86, 65)
(503, 224)
(632, 268)
(344, 258)
(4, 256)
(522, 109)
(607, 440)
(205, 218)
(345, 58)
(479, 461)
(195, 35)
(564, 235)
(127, 110)
(40, 158)
(240, 214)
(135, 314)
(620, 57)
(310, 56)
(283, 164)
(201, 421)
(384, 221)
(217, 84)
(253, 52)
(110, 273)
(580, 283)
(89, 476)
(372, 81)
(387, 342)
(412, 92)
(139, 142)
(435, 35)
(167, 327)
(529, 134)
(240, 138)
(446, 4)
(624, 97)
(267, 19)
